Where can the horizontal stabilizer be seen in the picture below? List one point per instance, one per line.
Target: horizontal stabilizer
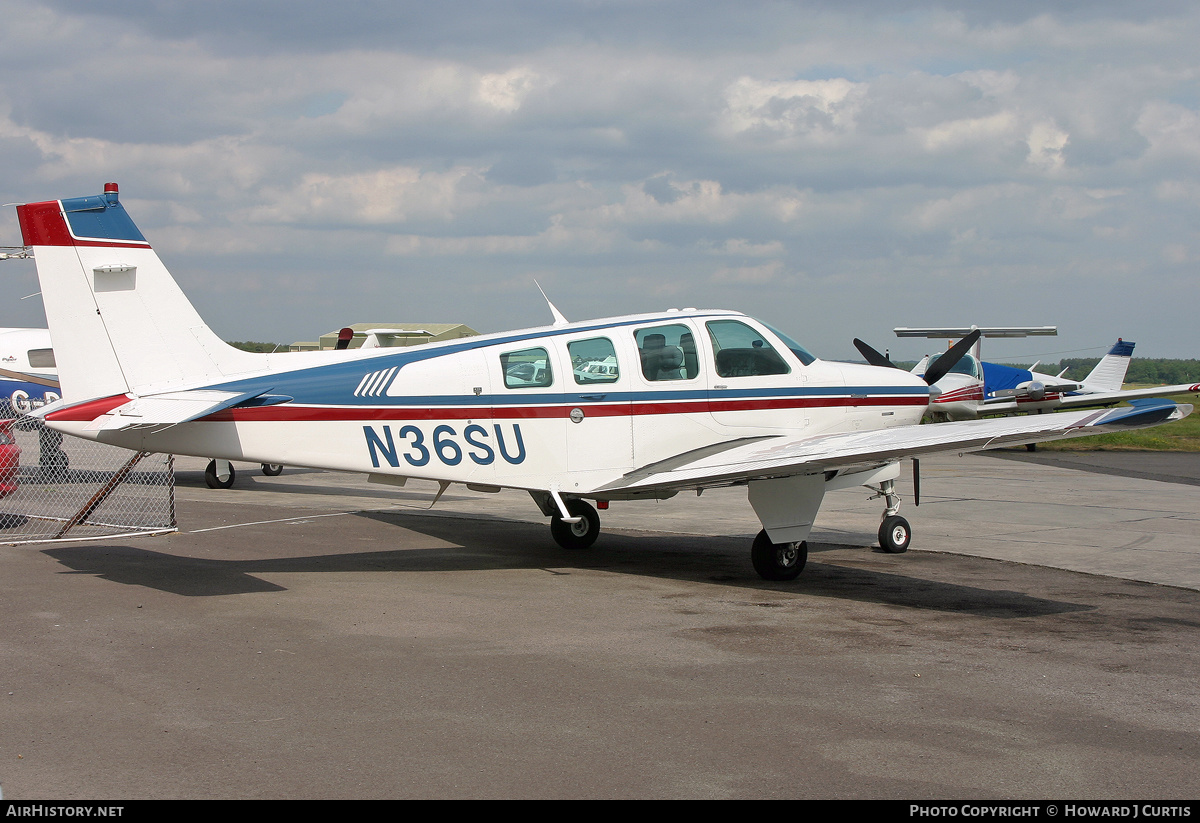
(168, 409)
(954, 332)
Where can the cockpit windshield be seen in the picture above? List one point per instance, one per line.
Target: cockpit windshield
(968, 365)
(802, 354)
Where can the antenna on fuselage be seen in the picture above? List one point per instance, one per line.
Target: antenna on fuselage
(559, 320)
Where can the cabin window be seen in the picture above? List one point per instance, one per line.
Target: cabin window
(41, 359)
(668, 352)
(594, 361)
(741, 351)
(526, 369)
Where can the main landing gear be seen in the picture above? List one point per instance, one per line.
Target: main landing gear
(220, 474)
(773, 561)
(577, 535)
(785, 561)
(778, 561)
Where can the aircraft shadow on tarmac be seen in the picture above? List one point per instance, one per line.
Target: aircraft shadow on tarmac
(480, 545)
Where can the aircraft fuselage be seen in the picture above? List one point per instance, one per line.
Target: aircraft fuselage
(517, 410)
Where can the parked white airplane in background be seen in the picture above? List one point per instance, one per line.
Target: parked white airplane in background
(28, 377)
(973, 388)
(700, 399)
(29, 381)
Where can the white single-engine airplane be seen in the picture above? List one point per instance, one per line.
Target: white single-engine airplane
(699, 399)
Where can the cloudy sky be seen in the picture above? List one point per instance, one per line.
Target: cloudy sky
(836, 168)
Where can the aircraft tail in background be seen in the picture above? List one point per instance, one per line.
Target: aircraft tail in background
(1109, 373)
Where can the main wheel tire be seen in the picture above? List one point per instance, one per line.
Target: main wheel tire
(894, 534)
(576, 535)
(778, 561)
(215, 480)
(272, 469)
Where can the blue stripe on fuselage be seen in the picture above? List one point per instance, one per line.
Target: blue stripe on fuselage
(333, 384)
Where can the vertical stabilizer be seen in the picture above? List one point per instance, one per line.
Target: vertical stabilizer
(118, 320)
(1109, 374)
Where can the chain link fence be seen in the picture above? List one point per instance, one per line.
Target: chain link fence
(63, 488)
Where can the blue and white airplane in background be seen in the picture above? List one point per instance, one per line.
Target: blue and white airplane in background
(973, 388)
(28, 376)
(699, 399)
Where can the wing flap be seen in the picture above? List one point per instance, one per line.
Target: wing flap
(788, 456)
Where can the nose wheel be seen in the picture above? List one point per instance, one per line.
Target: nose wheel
(894, 534)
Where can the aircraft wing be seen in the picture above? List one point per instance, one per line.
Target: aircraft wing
(1109, 398)
(773, 457)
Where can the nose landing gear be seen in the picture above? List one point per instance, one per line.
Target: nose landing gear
(894, 532)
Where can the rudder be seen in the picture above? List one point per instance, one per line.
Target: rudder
(1109, 373)
(118, 320)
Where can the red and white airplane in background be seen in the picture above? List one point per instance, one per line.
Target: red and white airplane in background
(972, 388)
(698, 399)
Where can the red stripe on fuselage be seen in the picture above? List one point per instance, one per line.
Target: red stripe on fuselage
(288, 412)
(960, 395)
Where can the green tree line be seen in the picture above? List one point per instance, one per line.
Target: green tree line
(250, 345)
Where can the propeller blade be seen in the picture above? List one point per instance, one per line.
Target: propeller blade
(873, 357)
(942, 366)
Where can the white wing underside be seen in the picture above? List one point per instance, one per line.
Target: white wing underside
(773, 457)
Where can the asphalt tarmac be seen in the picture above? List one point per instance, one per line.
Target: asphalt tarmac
(315, 636)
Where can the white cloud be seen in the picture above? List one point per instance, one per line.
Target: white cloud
(388, 195)
(900, 150)
(505, 92)
(969, 131)
(1046, 143)
(818, 109)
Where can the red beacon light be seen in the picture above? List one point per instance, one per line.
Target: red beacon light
(110, 187)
